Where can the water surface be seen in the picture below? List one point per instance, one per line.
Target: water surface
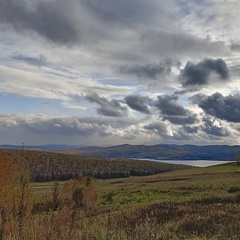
(195, 163)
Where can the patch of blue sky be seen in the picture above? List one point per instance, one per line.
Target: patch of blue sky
(77, 109)
(183, 100)
(11, 103)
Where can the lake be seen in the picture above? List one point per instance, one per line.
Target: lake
(195, 163)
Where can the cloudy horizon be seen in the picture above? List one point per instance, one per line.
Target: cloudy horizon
(102, 72)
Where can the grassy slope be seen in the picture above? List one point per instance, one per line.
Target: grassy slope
(175, 186)
(200, 203)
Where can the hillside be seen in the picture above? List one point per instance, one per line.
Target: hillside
(160, 151)
(48, 166)
(174, 152)
(199, 203)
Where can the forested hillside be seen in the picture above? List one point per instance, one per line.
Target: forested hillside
(163, 151)
(49, 166)
(160, 151)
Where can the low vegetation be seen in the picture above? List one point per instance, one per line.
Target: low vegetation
(195, 203)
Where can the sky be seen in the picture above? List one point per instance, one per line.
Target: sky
(108, 72)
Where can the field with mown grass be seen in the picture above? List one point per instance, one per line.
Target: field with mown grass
(197, 203)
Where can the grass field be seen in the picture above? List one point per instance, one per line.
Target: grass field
(198, 203)
(181, 185)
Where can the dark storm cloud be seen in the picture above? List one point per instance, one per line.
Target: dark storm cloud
(169, 106)
(199, 74)
(172, 111)
(138, 103)
(90, 22)
(157, 127)
(209, 128)
(67, 22)
(50, 19)
(150, 71)
(111, 108)
(226, 108)
(181, 120)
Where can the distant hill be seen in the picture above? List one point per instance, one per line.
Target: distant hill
(45, 147)
(160, 151)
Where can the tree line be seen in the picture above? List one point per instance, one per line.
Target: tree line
(49, 166)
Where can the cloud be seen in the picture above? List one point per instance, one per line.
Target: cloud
(199, 74)
(151, 71)
(50, 82)
(169, 106)
(59, 125)
(235, 46)
(216, 105)
(181, 120)
(50, 19)
(138, 103)
(214, 127)
(39, 61)
(111, 108)
(172, 111)
(137, 14)
(86, 22)
(65, 126)
(99, 130)
(159, 128)
(190, 129)
(178, 44)
(55, 54)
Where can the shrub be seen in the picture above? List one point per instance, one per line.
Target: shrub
(234, 189)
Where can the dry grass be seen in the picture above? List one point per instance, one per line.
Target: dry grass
(201, 203)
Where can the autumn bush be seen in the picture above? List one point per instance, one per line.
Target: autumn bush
(81, 192)
(16, 198)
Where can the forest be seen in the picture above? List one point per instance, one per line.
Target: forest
(49, 166)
